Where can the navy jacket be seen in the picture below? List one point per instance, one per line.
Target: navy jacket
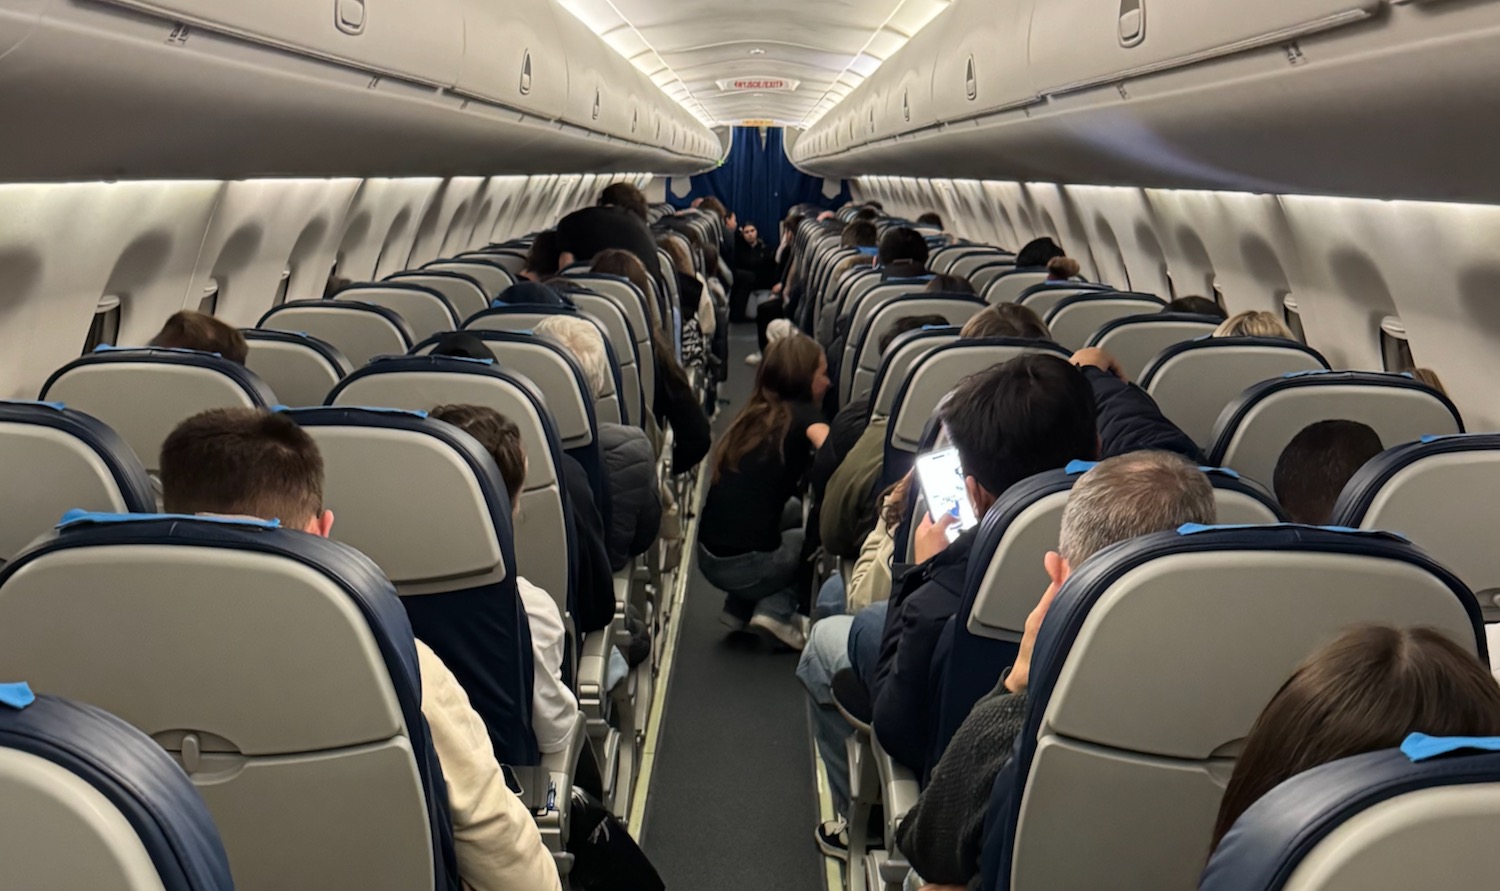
(1129, 420)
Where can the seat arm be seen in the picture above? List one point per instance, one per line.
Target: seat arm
(900, 788)
(593, 667)
(624, 580)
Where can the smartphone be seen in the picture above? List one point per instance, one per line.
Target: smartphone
(942, 480)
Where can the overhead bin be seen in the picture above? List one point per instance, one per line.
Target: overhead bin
(977, 53)
(514, 57)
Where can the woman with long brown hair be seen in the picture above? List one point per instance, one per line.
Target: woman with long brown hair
(744, 546)
(1365, 691)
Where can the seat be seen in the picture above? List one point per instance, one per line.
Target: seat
(513, 258)
(1253, 430)
(1421, 490)
(143, 394)
(932, 378)
(942, 260)
(842, 292)
(970, 262)
(361, 331)
(54, 459)
(425, 310)
(905, 351)
(1073, 320)
(440, 530)
(1135, 340)
(1194, 380)
(299, 368)
(1015, 536)
(277, 667)
(1374, 822)
(868, 298)
(862, 355)
(1042, 296)
(1007, 287)
(463, 292)
(490, 273)
(87, 801)
(638, 330)
(1224, 615)
(981, 277)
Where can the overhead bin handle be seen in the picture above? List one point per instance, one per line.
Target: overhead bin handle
(1132, 22)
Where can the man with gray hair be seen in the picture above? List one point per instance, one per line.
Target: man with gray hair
(1119, 499)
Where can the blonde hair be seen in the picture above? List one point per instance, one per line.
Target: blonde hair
(582, 340)
(1253, 324)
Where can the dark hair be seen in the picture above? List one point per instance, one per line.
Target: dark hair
(1017, 419)
(245, 461)
(859, 233)
(498, 434)
(867, 214)
(1006, 320)
(1198, 305)
(908, 323)
(1038, 253)
(893, 503)
(334, 285)
(785, 375)
(1061, 269)
(462, 345)
(903, 244)
(715, 207)
(875, 204)
(1365, 691)
(1316, 465)
(190, 330)
(534, 294)
(544, 257)
(626, 197)
(949, 284)
(930, 219)
(628, 266)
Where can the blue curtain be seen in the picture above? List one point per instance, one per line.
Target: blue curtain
(759, 184)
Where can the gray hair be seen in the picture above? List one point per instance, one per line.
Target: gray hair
(1133, 495)
(582, 339)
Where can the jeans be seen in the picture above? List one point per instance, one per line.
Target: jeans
(826, 654)
(764, 581)
(830, 599)
(865, 632)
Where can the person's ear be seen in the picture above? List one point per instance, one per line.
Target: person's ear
(321, 524)
(1058, 569)
(565, 259)
(979, 497)
(1098, 447)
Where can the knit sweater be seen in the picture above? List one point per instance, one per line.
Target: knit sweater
(943, 834)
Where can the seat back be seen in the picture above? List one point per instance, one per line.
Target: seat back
(54, 459)
(1073, 320)
(840, 293)
(869, 298)
(491, 274)
(87, 801)
(299, 368)
(462, 292)
(932, 378)
(896, 365)
(277, 667)
(862, 355)
(1006, 576)
(942, 260)
(1193, 381)
(1253, 430)
(970, 263)
(1227, 614)
(425, 310)
(143, 394)
(1135, 340)
(981, 277)
(1424, 490)
(1040, 297)
(512, 258)
(440, 530)
(1008, 286)
(632, 303)
(418, 383)
(361, 331)
(1382, 821)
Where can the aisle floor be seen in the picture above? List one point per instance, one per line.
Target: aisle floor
(732, 802)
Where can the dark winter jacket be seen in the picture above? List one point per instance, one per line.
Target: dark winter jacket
(1129, 420)
(634, 496)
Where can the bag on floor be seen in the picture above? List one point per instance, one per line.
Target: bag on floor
(605, 857)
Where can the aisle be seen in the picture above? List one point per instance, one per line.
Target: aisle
(732, 804)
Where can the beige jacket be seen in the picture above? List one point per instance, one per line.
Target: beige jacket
(870, 580)
(497, 842)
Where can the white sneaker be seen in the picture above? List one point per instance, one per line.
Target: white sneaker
(789, 634)
(752, 360)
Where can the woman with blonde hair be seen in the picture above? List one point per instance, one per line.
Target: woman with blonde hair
(1252, 323)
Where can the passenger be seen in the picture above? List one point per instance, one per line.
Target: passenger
(903, 254)
(860, 233)
(535, 294)
(1038, 253)
(754, 270)
(1364, 692)
(463, 345)
(554, 708)
(253, 463)
(627, 196)
(1063, 269)
(949, 284)
(543, 258)
(930, 219)
(1253, 324)
(1120, 499)
(876, 205)
(690, 297)
(630, 462)
(747, 547)
(1430, 378)
(1200, 306)
(1006, 320)
(1316, 465)
(617, 222)
(334, 285)
(867, 214)
(189, 330)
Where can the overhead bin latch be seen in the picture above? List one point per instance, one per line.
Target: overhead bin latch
(349, 15)
(526, 73)
(971, 80)
(1132, 22)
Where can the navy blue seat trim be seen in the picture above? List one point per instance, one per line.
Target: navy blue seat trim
(477, 261)
(396, 277)
(902, 340)
(1130, 321)
(386, 313)
(1359, 494)
(858, 346)
(129, 474)
(402, 286)
(247, 380)
(1208, 342)
(1101, 294)
(1047, 286)
(328, 351)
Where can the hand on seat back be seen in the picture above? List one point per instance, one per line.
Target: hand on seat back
(1020, 673)
(1101, 360)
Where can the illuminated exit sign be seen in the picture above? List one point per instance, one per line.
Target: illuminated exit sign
(759, 84)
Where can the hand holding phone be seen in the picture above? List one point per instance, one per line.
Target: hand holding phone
(942, 479)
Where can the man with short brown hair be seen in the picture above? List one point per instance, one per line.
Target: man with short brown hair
(190, 330)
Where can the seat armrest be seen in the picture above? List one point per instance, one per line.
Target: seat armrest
(901, 789)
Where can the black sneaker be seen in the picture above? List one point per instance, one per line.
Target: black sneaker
(833, 839)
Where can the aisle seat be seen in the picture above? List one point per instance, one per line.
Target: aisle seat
(1073, 320)
(142, 394)
(1223, 616)
(277, 667)
(896, 365)
(299, 368)
(605, 290)
(1136, 340)
(1253, 430)
(1193, 381)
(361, 331)
(87, 801)
(862, 355)
(425, 310)
(53, 459)
(463, 292)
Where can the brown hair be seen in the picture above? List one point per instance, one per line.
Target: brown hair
(715, 206)
(190, 330)
(244, 461)
(627, 197)
(1062, 268)
(628, 266)
(498, 434)
(949, 284)
(1363, 692)
(543, 257)
(1006, 320)
(682, 261)
(785, 375)
(1430, 378)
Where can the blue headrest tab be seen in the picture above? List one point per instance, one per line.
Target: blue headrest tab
(867, 251)
(16, 696)
(1198, 528)
(1221, 471)
(1203, 337)
(1439, 438)
(1291, 374)
(106, 348)
(55, 406)
(1420, 747)
(78, 517)
(380, 410)
(1075, 468)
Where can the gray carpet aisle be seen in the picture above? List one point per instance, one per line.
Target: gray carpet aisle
(732, 803)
